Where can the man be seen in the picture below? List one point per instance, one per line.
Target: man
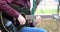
(5, 8)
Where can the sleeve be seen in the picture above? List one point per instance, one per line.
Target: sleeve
(10, 1)
(5, 8)
(28, 4)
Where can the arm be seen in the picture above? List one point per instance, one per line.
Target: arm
(28, 3)
(5, 8)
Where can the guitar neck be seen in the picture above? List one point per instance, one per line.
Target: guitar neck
(29, 17)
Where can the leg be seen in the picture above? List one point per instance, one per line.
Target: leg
(32, 29)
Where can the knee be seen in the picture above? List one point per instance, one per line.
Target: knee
(25, 29)
(42, 30)
(30, 29)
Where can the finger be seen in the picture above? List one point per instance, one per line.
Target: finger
(38, 17)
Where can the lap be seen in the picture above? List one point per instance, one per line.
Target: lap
(32, 29)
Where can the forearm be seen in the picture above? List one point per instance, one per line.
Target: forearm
(5, 8)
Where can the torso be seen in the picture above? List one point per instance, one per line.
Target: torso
(21, 3)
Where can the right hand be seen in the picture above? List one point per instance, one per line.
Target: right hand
(21, 19)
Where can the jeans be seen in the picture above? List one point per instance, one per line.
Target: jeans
(32, 29)
(24, 29)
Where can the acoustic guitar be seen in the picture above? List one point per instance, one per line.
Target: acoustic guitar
(14, 23)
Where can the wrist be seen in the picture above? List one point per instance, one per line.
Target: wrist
(19, 16)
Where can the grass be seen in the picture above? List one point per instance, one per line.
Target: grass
(46, 11)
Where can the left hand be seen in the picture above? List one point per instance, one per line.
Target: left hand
(37, 20)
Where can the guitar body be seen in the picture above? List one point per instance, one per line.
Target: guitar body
(5, 18)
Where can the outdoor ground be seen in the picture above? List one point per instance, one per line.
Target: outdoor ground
(49, 24)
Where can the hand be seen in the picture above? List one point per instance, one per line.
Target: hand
(21, 19)
(37, 20)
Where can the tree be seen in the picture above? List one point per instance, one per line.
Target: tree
(35, 4)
